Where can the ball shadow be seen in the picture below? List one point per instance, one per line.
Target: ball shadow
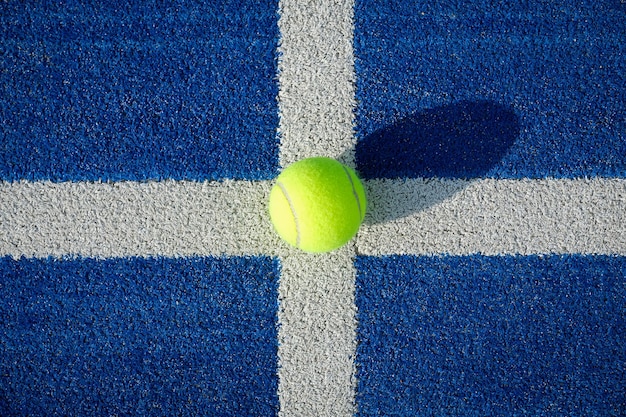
(443, 148)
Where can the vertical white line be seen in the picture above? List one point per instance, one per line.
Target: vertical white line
(316, 79)
(317, 336)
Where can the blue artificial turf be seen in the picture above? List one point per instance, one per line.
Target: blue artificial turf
(491, 336)
(117, 90)
(135, 336)
(484, 88)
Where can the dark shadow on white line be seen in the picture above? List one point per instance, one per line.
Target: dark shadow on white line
(439, 146)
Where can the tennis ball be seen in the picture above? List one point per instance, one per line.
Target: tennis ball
(317, 204)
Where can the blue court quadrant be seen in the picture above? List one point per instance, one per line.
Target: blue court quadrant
(491, 336)
(139, 336)
(117, 90)
(478, 89)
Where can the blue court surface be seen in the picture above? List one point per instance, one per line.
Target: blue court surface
(138, 336)
(483, 88)
(114, 90)
(118, 91)
(491, 336)
(475, 90)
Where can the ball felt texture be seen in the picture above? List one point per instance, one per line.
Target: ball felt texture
(317, 204)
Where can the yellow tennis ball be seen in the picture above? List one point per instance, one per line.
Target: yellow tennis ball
(317, 204)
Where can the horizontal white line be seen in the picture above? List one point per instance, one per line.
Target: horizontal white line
(432, 216)
(40, 219)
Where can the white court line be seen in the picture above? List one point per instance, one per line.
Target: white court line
(416, 217)
(167, 218)
(492, 217)
(316, 80)
(317, 333)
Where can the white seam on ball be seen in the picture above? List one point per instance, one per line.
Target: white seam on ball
(356, 195)
(293, 211)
